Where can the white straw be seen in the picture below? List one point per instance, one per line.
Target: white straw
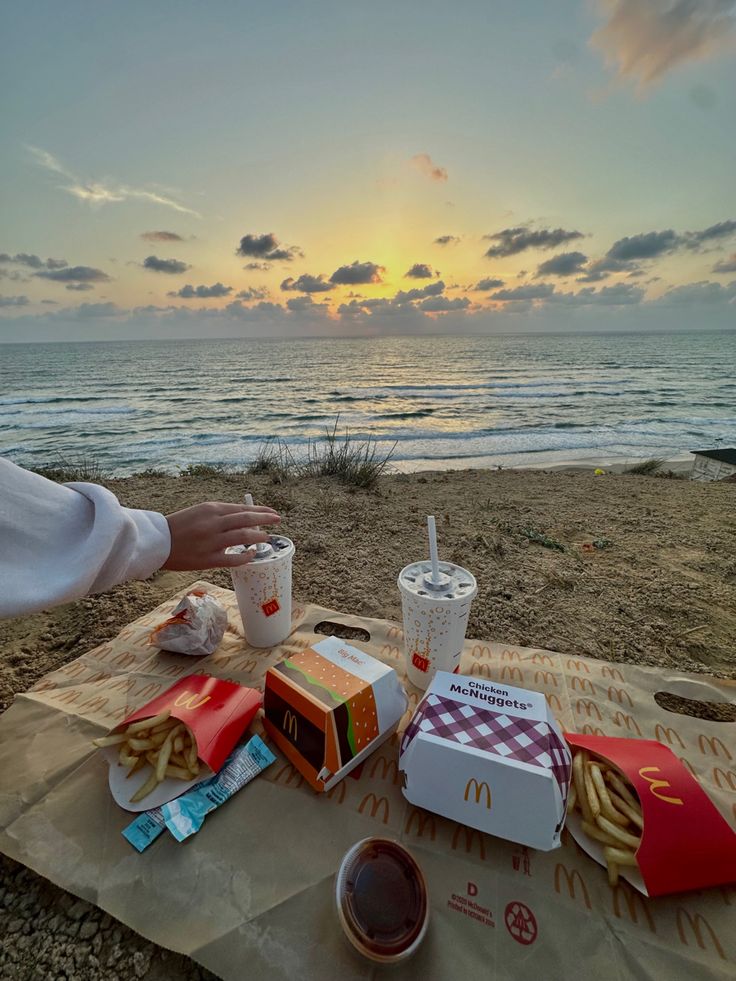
(248, 499)
(433, 548)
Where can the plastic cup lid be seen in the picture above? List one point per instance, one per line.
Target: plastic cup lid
(455, 583)
(382, 899)
(274, 548)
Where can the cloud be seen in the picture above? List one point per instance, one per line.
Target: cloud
(447, 240)
(32, 261)
(443, 304)
(357, 273)
(74, 274)
(488, 284)
(190, 292)
(431, 289)
(533, 291)
(643, 40)
(171, 266)
(564, 264)
(726, 265)
(425, 165)
(704, 293)
(266, 247)
(80, 287)
(106, 191)
(14, 301)
(621, 294)
(719, 231)
(93, 311)
(253, 293)
(259, 266)
(511, 241)
(303, 304)
(645, 246)
(420, 270)
(307, 284)
(161, 237)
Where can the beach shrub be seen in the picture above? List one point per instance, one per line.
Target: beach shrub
(274, 459)
(67, 471)
(544, 540)
(204, 470)
(647, 468)
(353, 461)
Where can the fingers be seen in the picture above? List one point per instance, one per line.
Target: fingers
(222, 508)
(248, 518)
(229, 560)
(241, 536)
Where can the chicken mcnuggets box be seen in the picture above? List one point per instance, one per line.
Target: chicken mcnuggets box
(216, 712)
(488, 756)
(685, 841)
(328, 707)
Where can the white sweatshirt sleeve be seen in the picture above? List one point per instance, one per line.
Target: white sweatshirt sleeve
(59, 542)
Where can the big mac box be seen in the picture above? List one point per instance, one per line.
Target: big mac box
(489, 756)
(329, 706)
(208, 715)
(678, 838)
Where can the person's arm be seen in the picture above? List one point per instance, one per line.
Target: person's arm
(59, 542)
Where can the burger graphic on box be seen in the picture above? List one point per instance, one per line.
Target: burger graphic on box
(328, 707)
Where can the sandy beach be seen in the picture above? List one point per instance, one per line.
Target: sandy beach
(659, 588)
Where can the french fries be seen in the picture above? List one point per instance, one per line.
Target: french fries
(609, 808)
(167, 745)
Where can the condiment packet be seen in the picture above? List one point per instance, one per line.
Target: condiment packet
(185, 815)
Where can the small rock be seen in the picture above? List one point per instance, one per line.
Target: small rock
(141, 963)
(88, 929)
(78, 910)
(15, 925)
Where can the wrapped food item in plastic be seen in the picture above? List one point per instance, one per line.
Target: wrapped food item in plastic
(196, 626)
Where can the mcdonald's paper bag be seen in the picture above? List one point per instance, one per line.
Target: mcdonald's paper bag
(685, 843)
(490, 757)
(329, 707)
(218, 713)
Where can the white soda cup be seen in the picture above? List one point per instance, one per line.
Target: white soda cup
(263, 591)
(435, 598)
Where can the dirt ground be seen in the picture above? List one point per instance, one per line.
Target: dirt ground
(656, 585)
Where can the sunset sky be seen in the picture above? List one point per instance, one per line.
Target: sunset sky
(179, 169)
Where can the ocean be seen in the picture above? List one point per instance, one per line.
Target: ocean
(440, 402)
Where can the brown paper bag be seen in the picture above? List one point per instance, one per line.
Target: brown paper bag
(253, 896)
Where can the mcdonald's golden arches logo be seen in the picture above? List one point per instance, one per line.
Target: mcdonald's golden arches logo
(626, 722)
(478, 789)
(423, 819)
(388, 767)
(510, 655)
(539, 658)
(662, 733)
(545, 678)
(583, 684)
(470, 835)
(619, 695)
(589, 706)
(572, 880)
(512, 672)
(633, 902)
(374, 803)
(191, 701)
(724, 779)
(290, 725)
(655, 785)
(612, 673)
(715, 745)
(591, 730)
(577, 665)
(698, 925)
(553, 701)
(482, 670)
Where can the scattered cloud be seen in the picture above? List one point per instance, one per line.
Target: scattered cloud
(420, 270)
(713, 234)
(443, 304)
(643, 41)
(726, 265)
(358, 273)
(645, 246)
(266, 247)
(80, 287)
(425, 165)
(253, 293)
(190, 292)
(307, 284)
(704, 293)
(532, 291)
(303, 304)
(564, 264)
(257, 266)
(14, 301)
(431, 289)
(94, 311)
(621, 294)
(447, 240)
(74, 274)
(511, 241)
(171, 266)
(99, 192)
(32, 261)
(488, 284)
(161, 237)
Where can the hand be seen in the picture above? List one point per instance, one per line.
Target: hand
(200, 534)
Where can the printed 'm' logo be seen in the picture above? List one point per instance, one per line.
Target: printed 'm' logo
(270, 607)
(698, 924)
(419, 662)
(478, 789)
(656, 785)
(571, 878)
(290, 724)
(191, 702)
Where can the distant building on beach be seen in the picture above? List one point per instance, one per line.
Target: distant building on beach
(713, 464)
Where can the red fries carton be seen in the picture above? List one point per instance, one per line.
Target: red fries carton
(217, 712)
(686, 843)
(329, 707)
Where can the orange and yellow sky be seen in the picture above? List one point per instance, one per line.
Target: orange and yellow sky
(181, 169)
